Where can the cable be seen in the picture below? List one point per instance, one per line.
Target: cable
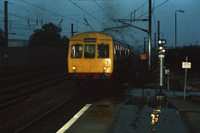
(49, 11)
(161, 4)
(103, 10)
(20, 7)
(154, 8)
(18, 16)
(142, 5)
(154, 3)
(88, 13)
(31, 19)
(67, 18)
(139, 8)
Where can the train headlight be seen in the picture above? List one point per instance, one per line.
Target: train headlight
(104, 68)
(74, 68)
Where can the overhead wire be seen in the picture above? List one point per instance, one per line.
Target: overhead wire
(154, 8)
(40, 7)
(139, 7)
(142, 5)
(47, 10)
(63, 16)
(103, 9)
(32, 19)
(88, 13)
(22, 17)
(136, 11)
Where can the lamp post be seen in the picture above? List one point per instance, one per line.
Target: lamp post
(182, 11)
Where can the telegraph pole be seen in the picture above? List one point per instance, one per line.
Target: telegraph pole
(149, 63)
(145, 44)
(158, 30)
(6, 31)
(155, 45)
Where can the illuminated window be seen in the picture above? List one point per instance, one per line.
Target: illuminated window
(89, 51)
(103, 51)
(76, 51)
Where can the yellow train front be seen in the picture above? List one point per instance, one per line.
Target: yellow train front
(91, 56)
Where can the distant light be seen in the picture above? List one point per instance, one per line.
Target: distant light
(160, 48)
(162, 41)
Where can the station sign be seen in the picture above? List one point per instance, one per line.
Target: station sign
(90, 40)
(167, 71)
(143, 56)
(186, 65)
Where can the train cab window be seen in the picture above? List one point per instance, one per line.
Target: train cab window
(89, 51)
(103, 51)
(76, 51)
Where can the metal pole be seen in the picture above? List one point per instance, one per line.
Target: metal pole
(175, 31)
(149, 64)
(168, 82)
(144, 45)
(185, 85)
(155, 41)
(158, 30)
(161, 70)
(161, 58)
(6, 32)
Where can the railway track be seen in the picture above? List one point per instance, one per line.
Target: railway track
(7, 79)
(27, 126)
(23, 85)
(67, 108)
(57, 116)
(40, 107)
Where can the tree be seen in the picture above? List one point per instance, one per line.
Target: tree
(2, 39)
(49, 35)
(66, 43)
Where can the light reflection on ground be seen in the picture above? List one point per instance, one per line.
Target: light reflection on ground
(142, 113)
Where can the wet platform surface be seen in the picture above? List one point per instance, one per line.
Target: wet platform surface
(134, 111)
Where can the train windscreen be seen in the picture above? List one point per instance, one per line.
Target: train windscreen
(76, 51)
(103, 51)
(89, 51)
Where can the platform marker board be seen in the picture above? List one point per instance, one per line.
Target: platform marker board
(143, 56)
(186, 65)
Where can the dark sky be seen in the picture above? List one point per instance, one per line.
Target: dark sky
(99, 13)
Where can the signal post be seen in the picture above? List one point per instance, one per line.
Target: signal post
(161, 56)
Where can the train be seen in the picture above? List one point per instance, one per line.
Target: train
(93, 55)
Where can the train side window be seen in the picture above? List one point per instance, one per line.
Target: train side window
(89, 51)
(76, 51)
(103, 51)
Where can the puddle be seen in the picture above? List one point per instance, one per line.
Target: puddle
(145, 98)
(143, 113)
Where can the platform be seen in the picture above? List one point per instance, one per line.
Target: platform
(132, 114)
